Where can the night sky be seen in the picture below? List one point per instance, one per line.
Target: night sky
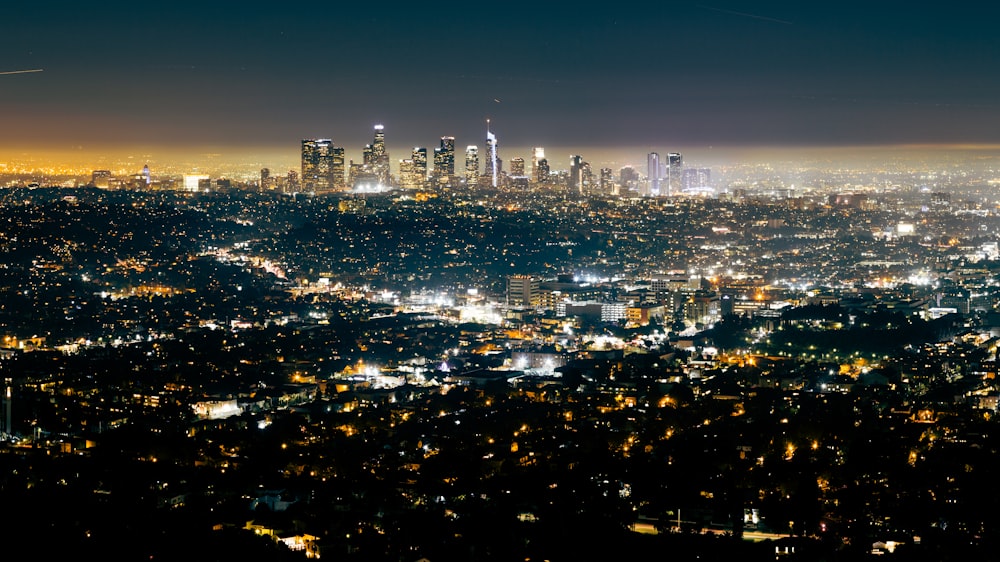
(662, 74)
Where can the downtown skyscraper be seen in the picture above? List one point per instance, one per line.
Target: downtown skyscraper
(444, 161)
(576, 173)
(675, 167)
(413, 170)
(419, 156)
(653, 173)
(471, 165)
(517, 166)
(539, 165)
(322, 166)
(491, 169)
(377, 157)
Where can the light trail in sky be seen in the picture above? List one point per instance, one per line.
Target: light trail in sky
(22, 71)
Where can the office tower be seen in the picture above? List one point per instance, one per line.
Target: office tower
(586, 178)
(440, 174)
(675, 160)
(675, 167)
(195, 183)
(653, 173)
(293, 181)
(521, 183)
(607, 180)
(337, 167)
(380, 157)
(355, 173)
(517, 166)
(419, 156)
(321, 164)
(523, 290)
(575, 169)
(265, 179)
(137, 182)
(372, 174)
(378, 144)
(537, 155)
(448, 149)
(408, 176)
(542, 171)
(471, 165)
(315, 162)
(147, 178)
(492, 168)
(628, 177)
(444, 161)
(101, 178)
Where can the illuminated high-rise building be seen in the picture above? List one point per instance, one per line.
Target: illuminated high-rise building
(448, 147)
(101, 178)
(575, 173)
(541, 170)
(265, 179)
(517, 167)
(523, 290)
(675, 168)
(491, 170)
(337, 168)
(407, 176)
(607, 180)
(147, 178)
(378, 144)
(413, 172)
(444, 161)
(537, 155)
(628, 177)
(195, 183)
(356, 172)
(653, 173)
(320, 166)
(471, 165)
(380, 157)
(419, 156)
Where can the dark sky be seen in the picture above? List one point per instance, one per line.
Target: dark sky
(661, 74)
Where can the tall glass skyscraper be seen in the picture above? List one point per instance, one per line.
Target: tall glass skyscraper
(491, 170)
(653, 173)
(444, 161)
(471, 165)
(380, 157)
(537, 155)
(419, 156)
(321, 164)
(575, 173)
(675, 166)
(517, 167)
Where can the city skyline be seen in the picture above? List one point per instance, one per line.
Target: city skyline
(724, 75)
(716, 280)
